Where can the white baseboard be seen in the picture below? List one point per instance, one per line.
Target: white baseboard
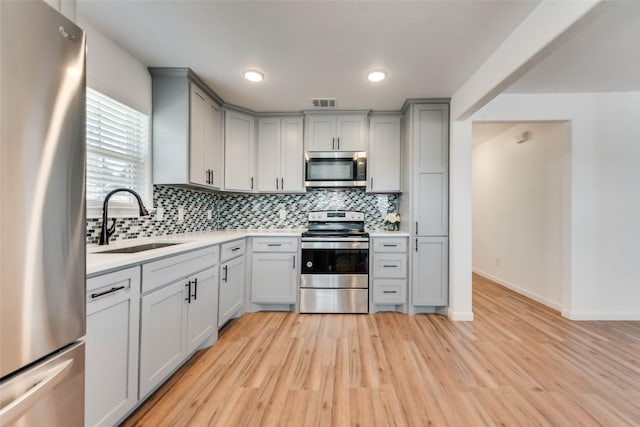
(542, 300)
(600, 315)
(460, 316)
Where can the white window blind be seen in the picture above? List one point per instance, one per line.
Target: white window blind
(117, 149)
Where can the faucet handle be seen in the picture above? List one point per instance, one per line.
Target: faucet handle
(112, 228)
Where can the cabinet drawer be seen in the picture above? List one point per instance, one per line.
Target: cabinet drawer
(390, 265)
(275, 244)
(389, 291)
(232, 249)
(126, 279)
(390, 244)
(159, 273)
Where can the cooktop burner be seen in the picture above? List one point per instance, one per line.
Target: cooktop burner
(336, 224)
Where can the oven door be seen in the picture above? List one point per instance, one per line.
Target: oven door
(332, 264)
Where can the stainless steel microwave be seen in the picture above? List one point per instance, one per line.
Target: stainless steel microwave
(335, 169)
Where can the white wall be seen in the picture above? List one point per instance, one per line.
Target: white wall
(115, 72)
(520, 210)
(604, 275)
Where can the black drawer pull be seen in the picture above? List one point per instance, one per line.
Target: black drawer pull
(386, 245)
(274, 244)
(389, 292)
(389, 266)
(110, 291)
(235, 249)
(188, 298)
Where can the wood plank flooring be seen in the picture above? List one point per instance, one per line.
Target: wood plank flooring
(518, 363)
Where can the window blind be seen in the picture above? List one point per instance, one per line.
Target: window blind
(117, 148)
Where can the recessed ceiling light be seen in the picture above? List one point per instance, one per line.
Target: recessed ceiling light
(376, 76)
(253, 75)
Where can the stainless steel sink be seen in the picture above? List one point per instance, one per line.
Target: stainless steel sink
(138, 248)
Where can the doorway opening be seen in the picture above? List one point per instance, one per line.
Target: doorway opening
(521, 207)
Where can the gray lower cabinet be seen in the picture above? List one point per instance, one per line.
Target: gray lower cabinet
(431, 271)
(389, 271)
(178, 312)
(274, 270)
(232, 280)
(111, 376)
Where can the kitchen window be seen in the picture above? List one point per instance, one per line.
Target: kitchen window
(117, 155)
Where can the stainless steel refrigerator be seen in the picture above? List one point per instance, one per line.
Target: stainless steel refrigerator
(42, 216)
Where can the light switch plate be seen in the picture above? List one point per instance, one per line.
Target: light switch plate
(180, 214)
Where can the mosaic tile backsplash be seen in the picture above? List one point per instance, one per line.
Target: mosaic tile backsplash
(243, 211)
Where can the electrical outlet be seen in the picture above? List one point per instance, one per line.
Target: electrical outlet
(283, 214)
(160, 214)
(180, 214)
(209, 215)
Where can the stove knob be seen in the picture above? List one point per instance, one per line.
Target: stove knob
(309, 264)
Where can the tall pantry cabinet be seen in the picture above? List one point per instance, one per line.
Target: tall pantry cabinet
(424, 203)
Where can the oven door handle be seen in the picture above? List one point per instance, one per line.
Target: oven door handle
(324, 244)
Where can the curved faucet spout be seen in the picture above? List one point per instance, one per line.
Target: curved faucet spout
(106, 232)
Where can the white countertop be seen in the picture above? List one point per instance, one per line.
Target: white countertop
(98, 263)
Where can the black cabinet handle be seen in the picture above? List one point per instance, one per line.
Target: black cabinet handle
(274, 244)
(416, 244)
(371, 183)
(225, 269)
(252, 183)
(195, 289)
(282, 183)
(390, 266)
(188, 298)
(110, 291)
(333, 143)
(388, 245)
(276, 183)
(338, 143)
(389, 292)
(416, 227)
(211, 180)
(237, 248)
(294, 262)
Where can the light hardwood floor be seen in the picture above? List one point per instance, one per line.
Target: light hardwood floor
(518, 363)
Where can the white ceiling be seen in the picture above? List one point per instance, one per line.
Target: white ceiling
(313, 48)
(484, 131)
(324, 48)
(602, 56)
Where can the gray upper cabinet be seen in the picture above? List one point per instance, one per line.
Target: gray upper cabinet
(341, 132)
(280, 155)
(239, 151)
(431, 170)
(187, 131)
(383, 162)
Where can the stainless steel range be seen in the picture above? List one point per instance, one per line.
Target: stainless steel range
(335, 264)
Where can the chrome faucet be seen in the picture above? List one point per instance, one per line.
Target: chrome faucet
(105, 232)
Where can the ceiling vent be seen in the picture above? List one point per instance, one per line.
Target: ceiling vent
(324, 102)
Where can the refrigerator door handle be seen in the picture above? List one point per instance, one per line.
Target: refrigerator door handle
(46, 381)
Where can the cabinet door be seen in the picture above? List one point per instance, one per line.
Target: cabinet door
(350, 133)
(274, 278)
(163, 334)
(431, 157)
(198, 137)
(203, 308)
(231, 294)
(238, 152)
(111, 371)
(321, 133)
(430, 281)
(291, 155)
(383, 163)
(269, 154)
(214, 154)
